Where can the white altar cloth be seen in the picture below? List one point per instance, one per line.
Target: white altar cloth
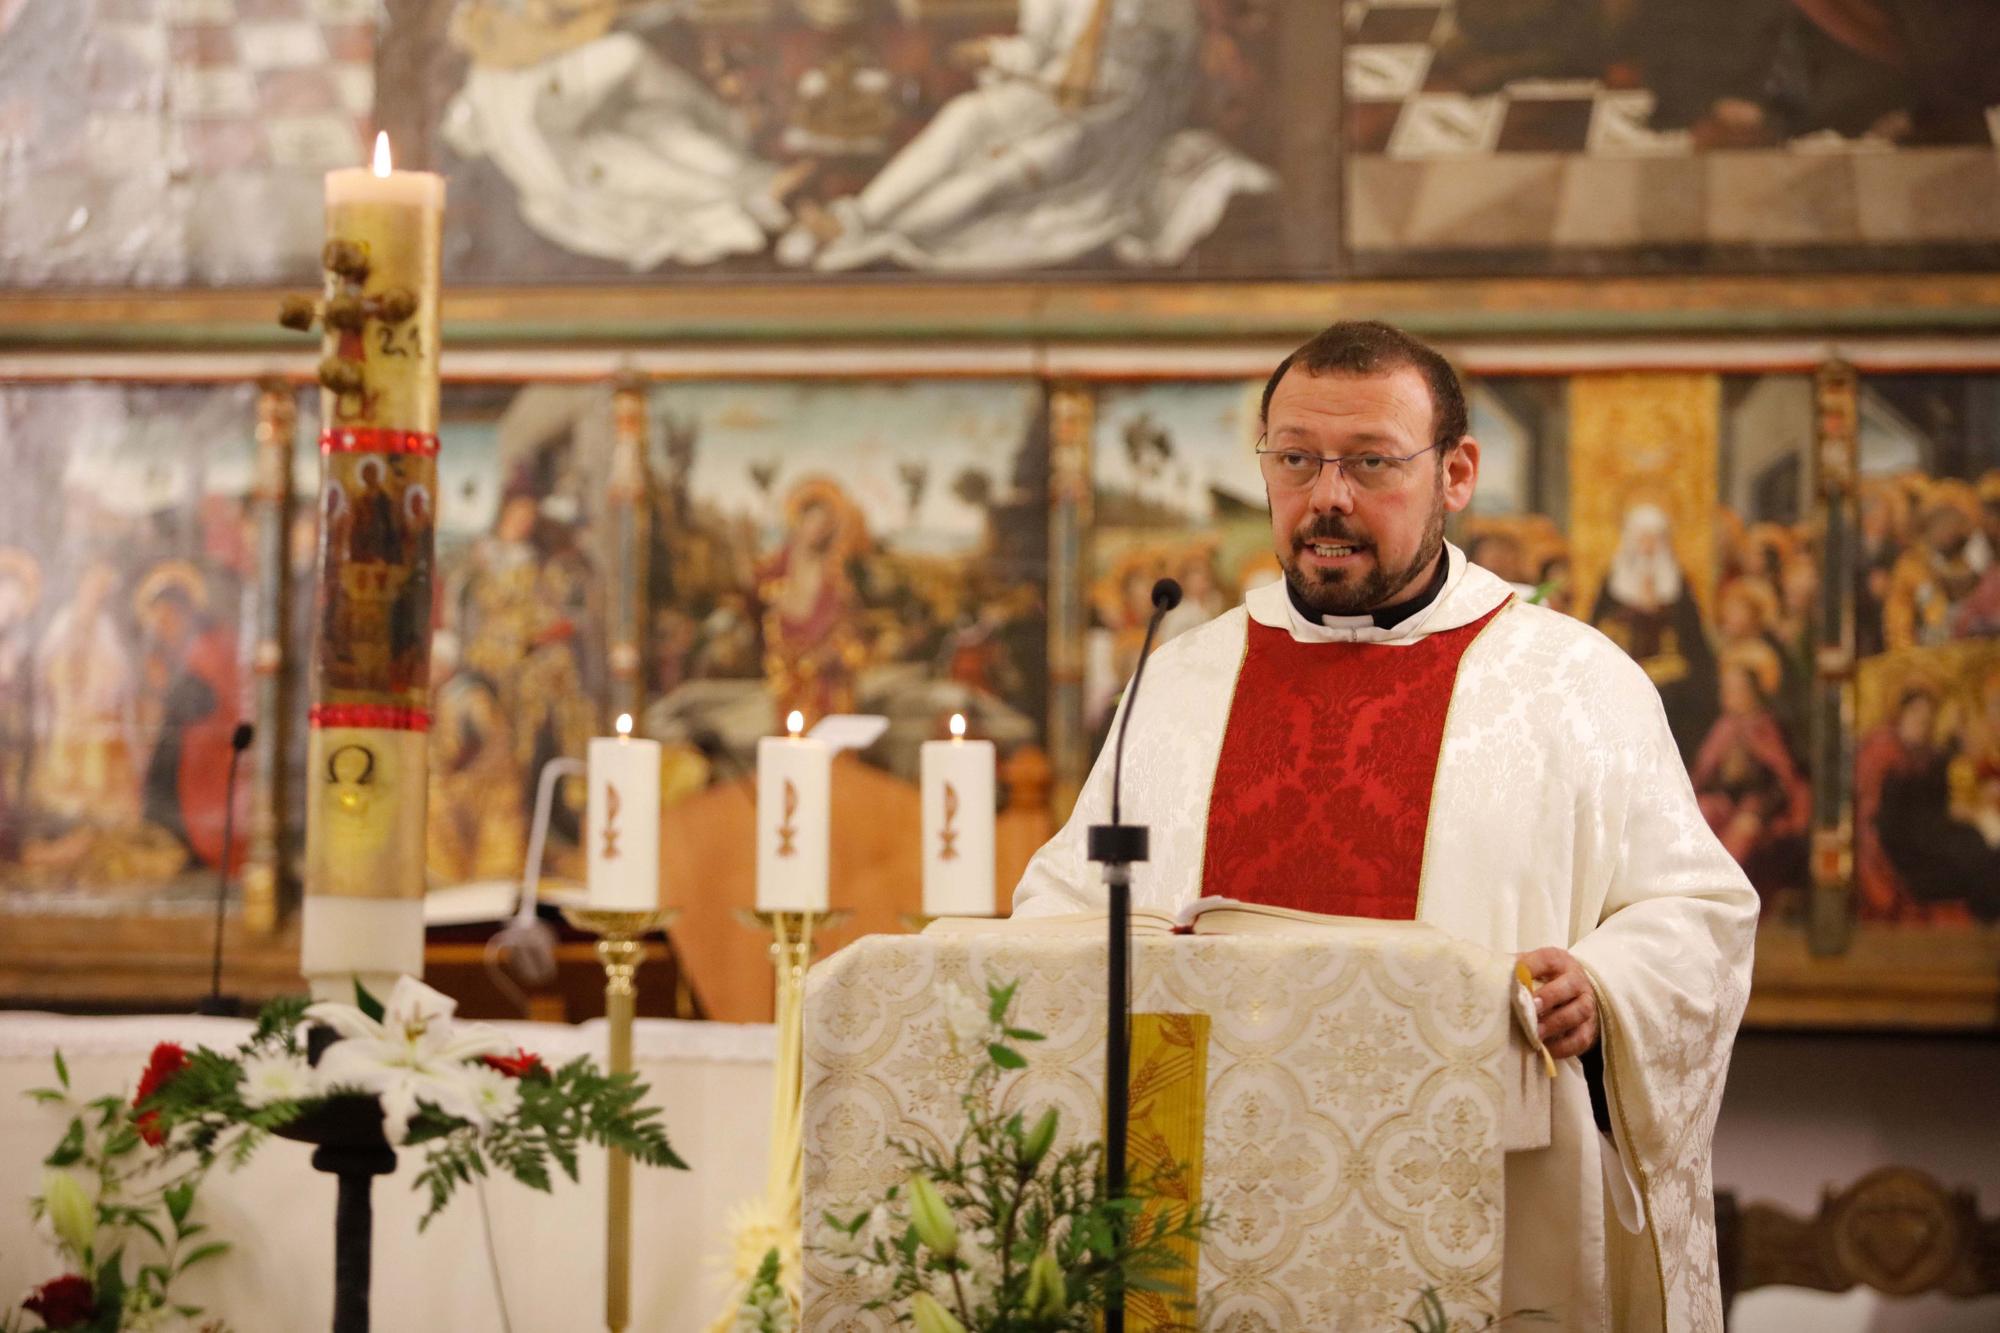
(712, 1080)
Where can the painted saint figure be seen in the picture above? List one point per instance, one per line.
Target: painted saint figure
(1647, 609)
(186, 778)
(86, 756)
(1746, 779)
(20, 590)
(1073, 141)
(812, 644)
(614, 152)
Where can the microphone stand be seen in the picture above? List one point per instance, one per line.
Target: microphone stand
(215, 1004)
(1117, 846)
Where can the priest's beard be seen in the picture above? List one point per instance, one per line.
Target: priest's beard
(1343, 592)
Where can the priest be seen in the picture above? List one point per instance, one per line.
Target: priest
(1390, 732)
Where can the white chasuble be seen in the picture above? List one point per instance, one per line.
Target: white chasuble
(1559, 814)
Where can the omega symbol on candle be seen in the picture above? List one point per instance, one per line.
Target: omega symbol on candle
(611, 804)
(788, 832)
(948, 835)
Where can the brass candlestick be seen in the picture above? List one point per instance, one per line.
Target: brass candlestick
(621, 948)
(791, 953)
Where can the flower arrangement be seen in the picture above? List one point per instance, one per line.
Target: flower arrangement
(461, 1091)
(120, 1216)
(766, 1306)
(466, 1095)
(1005, 1232)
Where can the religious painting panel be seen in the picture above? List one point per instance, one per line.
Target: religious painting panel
(1587, 136)
(518, 655)
(1927, 638)
(1692, 545)
(1175, 494)
(872, 546)
(594, 142)
(168, 145)
(128, 596)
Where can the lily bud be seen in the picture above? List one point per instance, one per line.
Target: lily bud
(1047, 1295)
(932, 1317)
(72, 1215)
(935, 1225)
(1039, 1140)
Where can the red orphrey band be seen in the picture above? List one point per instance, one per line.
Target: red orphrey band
(377, 440)
(383, 716)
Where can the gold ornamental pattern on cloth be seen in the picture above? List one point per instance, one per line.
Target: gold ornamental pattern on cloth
(378, 517)
(1352, 1121)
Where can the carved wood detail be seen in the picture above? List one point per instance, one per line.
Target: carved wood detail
(1896, 1230)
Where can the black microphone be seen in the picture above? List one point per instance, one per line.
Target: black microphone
(215, 1003)
(1130, 845)
(1117, 846)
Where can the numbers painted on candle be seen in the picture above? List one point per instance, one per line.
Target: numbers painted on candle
(400, 340)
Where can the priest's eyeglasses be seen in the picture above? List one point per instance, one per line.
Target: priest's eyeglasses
(1298, 469)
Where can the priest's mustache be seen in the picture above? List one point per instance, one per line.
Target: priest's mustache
(1329, 530)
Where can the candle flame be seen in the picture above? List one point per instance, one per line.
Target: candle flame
(958, 726)
(795, 722)
(624, 724)
(382, 167)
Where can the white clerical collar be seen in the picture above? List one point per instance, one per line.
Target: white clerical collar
(1469, 592)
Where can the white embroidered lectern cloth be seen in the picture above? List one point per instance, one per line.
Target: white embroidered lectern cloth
(1361, 1086)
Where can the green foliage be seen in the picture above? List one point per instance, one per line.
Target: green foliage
(765, 1307)
(559, 1110)
(1431, 1316)
(146, 1235)
(1033, 1243)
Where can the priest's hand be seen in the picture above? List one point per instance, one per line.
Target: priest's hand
(1564, 1001)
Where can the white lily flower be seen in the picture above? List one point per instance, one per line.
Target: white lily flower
(413, 1055)
(967, 1020)
(277, 1077)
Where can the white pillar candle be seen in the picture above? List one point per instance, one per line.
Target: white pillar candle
(382, 184)
(957, 792)
(622, 822)
(794, 815)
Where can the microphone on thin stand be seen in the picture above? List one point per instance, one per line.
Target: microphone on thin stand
(1117, 846)
(215, 1003)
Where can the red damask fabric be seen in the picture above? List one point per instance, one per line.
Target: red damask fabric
(1323, 788)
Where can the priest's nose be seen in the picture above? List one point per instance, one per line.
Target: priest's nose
(1332, 492)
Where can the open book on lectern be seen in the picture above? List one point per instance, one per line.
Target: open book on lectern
(1225, 916)
(1203, 916)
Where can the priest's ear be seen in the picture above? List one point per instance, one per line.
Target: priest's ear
(1461, 473)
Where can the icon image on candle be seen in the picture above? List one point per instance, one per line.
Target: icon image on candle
(948, 835)
(788, 831)
(611, 804)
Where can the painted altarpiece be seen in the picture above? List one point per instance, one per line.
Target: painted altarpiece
(925, 545)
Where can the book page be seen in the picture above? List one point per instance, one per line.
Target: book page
(1145, 921)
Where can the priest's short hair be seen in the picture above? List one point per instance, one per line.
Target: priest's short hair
(1370, 347)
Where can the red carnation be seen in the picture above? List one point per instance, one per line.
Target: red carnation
(63, 1303)
(522, 1064)
(168, 1060)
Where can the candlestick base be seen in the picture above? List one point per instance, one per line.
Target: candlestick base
(796, 923)
(620, 948)
(609, 921)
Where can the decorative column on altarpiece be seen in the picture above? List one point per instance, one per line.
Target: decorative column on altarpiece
(271, 500)
(629, 508)
(366, 767)
(1830, 725)
(1072, 421)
